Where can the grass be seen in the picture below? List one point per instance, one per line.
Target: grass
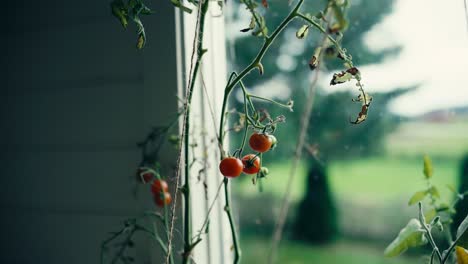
(379, 179)
(256, 250)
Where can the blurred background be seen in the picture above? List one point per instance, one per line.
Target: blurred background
(350, 195)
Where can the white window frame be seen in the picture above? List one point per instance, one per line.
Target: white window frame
(216, 246)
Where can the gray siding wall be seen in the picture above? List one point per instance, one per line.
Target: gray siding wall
(76, 96)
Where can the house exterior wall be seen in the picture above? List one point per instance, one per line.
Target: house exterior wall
(76, 96)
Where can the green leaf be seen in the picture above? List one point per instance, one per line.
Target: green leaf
(434, 192)
(120, 12)
(462, 234)
(410, 236)
(417, 197)
(427, 170)
(178, 4)
(452, 188)
(430, 214)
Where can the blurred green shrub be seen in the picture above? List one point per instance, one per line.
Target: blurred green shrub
(316, 220)
(462, 206)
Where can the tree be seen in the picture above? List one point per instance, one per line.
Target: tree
(316, 218)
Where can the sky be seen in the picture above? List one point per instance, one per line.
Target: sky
(434, 38)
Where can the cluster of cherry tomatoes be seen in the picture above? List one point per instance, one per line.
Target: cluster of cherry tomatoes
(159, 187)
(249, 164)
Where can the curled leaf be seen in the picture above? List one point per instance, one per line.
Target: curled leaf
(412, 235)
(345, 76)
(365, 99)
(313, 62)
(302, 32)
(260, 68)
(341, 77)
(251, 25)
(362, 115)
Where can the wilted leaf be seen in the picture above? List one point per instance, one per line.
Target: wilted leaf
(417, 197)
(302, 32)
(410, 236)
(427, 170)
(265, 3)
(462, 234)
(462, 255)
(313, 63)
(345, 76)
(341, 77)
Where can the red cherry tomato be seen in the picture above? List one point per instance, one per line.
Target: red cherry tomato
(144, 175)
(231, 167)
(162, 199)
(158, 186)
(260, 142)
(251, 164)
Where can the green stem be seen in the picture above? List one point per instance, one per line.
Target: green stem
(227, 208)
(269, 100)
(166, 225)
(246, 121)
(266, 45)
(428, 233)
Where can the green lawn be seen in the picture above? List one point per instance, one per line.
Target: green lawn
(256, 251)
(379, 179)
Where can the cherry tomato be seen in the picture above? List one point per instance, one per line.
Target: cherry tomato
(274, 141)
(162, 199)
(144, 175)
(260, 142)
(251, 164)
(158, 186)
(231, 167)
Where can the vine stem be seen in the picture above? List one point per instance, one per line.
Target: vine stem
(233, 81)
(428, 233)
(198, 48)
(255, 63)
